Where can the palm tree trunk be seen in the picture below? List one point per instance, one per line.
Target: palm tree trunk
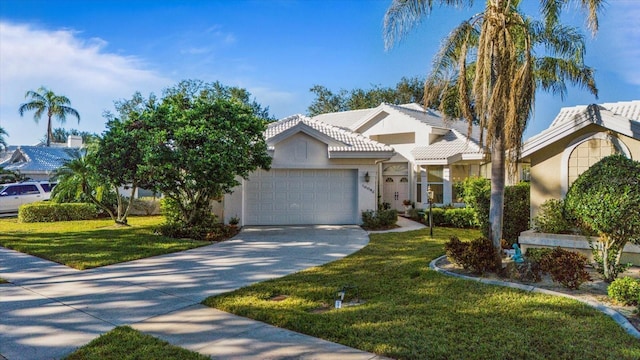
(496, 207)
(49, 132)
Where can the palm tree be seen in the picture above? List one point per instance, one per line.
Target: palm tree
(487, 72)
(3, 142)
(46, 101)
(78, 181)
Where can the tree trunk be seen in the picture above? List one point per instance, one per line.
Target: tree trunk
(49, 132)
(496, 207)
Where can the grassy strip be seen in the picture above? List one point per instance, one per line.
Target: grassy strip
(412, 312)
(124, 343)
(91, 243)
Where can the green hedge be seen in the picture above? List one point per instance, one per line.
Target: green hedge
(477, 195)
(452, 217)
(50, 211)
(516, 211)
(380, 219)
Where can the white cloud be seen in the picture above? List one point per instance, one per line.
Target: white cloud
(81, 69)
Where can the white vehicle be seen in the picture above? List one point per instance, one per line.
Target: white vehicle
(15, 194)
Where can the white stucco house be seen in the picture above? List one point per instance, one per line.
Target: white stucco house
(329, 168)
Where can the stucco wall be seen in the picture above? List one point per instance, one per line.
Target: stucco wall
(304, 151)
(547, 165)
(385, 125)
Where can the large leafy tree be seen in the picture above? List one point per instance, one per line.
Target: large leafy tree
(120, 152)
(201, 139)
(488, 70)
(44, 101)
(407, 90)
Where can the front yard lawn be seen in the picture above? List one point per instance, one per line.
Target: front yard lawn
(412, 312)
(124, 343)
(91, 243)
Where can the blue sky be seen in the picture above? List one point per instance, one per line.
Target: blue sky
(95, 52)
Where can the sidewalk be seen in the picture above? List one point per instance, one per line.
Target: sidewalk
(404, 224)
(49, 310)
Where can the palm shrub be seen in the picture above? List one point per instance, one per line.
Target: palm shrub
(605, 199)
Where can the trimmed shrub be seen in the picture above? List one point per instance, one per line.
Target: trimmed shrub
(551, 218)
(565, 267)
(49, 211)
(477, 195)
(414, 214)
(463, 218)
(456, 250)
(476, 256)
(438, 217)
(625, 290)
(516, 211)
(481, 256)
(536, 254)
(606, 199)
(211, 232)
(379, 219)
(527, 272)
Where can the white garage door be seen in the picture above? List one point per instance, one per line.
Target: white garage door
(301, 197)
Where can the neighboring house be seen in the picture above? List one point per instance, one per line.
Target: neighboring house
(329, 168)
(39, 162)
(578, 138)
(430, 152)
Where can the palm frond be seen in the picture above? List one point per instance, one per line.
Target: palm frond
(403, 15)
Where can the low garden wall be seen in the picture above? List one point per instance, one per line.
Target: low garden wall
(577, 243)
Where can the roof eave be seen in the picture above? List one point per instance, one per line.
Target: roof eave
(381, 155)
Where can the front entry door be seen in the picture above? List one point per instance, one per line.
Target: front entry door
(396, 189)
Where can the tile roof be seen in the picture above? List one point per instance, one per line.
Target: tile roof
(343, 119)
(622, 117)
(436, 119)
(38, 158)
(626, 109)
(345, 140)
(430, 117)
(451, 144)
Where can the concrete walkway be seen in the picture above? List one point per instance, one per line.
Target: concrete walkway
(49, 310)
(404, 224)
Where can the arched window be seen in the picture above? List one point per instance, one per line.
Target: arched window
(585, 151)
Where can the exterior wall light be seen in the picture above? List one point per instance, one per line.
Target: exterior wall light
(367, 177)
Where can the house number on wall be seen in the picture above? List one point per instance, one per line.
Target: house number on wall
(368, 188)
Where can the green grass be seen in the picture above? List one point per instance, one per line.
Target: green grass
(91, 243)
(123, 343)
(412, 312)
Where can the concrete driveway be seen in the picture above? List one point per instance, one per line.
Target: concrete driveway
(50, 309)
